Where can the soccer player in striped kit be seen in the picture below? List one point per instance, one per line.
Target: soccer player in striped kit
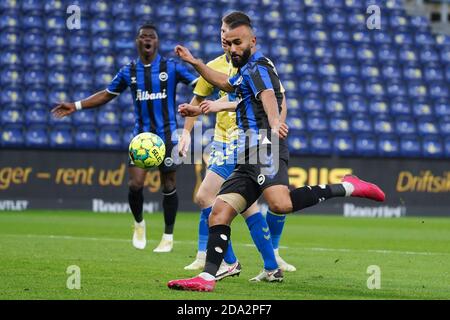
(152, 80)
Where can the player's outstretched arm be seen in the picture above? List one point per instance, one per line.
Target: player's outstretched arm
(270, 105)
(218, 79)
(219, 105)
(66, 108)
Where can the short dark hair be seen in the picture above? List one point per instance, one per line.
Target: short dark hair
(236, 19)
(147, 25)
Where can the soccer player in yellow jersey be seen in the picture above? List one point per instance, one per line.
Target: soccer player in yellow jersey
(266, 232)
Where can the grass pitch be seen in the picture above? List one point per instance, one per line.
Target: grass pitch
(332, 255)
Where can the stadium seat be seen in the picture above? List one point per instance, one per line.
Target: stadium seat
(383, 126)
(110, 139)
(427, 127)
(334, 104)
(422, 109)
(320, 144)
(298, 144)
(432, 147)
(61, 137)
(339, 125)
(12, 136)
(128, 119)
(343, 145)
(37, 137)
(447, 147)
(442, 108)
(410, 147)
(391, 71)
(316, 123)
(379, 107)
(85, 137)
(388, 146)
(348, 69)
(444, 127)
(357, 105)
(366, 145)
(400, 107)
(36, 116)
(405, 126)
(12, 116)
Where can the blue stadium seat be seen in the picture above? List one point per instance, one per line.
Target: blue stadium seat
(85, 137)
(12, 136)
(322, 50)
(12, 116)
(379, 108)
(407, 54)
(327, 69)
(388, 146)
(412, 72)
(107, 118)
(353, 86)
(403, 38)
(309, 84)
(10, 39)
(384, 126)
(33, 60)
(357, 104)
(334, 104)
(331, 85)
(305, 67)
(447, 147)
(375, 88)
(302, 49)
(444, 127)
(298, 144)
(122, 9)
(361, 36)
(320, 144)
(339, 125)
(9, 59)
(61, 137)
(396, 89)
(445, 54)
(10, 97)
(432, 147)
(81, 42)
(343, 145)
(422, 109)
(380, 38)
(37, 137)
(442, 108)
(429, 54)
(31, 22)
(370, 71)
(427, 127)
(55, 24)
(81, 78)
(99, 7)
(366, 145)
(348, 69)
(316, 123)
(35, 77)
(126, 138)
(36, 98)
(405, 126)
(387, 53)
(344, 51)
(391, 71)
(127, 119)
(312, 103)
(438, 90)
(99, 25)
(36, 116)
(110, 139)
(10, 77)
(417, 90)
(84, 118)
(54, 7)
(400, 107)
(410, 147)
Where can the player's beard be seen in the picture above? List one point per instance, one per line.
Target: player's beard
(242, 59)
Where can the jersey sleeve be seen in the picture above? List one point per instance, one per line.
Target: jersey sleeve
(119, 83)
(235, 80)
(203, 88)
(184, 75)
(259, 79)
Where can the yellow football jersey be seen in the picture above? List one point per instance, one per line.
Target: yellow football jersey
(225, 121)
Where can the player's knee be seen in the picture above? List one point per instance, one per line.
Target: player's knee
(203, 200)
(135, 184)
(280, 207)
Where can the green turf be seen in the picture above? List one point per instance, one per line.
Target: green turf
(331, 254)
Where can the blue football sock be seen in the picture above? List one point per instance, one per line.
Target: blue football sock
(276, 225)
(203, 229)
(260, 233)
(229, 256)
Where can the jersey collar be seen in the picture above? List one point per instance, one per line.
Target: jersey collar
(156, 61)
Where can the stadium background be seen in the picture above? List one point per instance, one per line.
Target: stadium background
(374, 102)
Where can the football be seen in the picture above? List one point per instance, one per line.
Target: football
(147, 150)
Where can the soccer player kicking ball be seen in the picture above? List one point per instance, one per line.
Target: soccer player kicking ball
(265, 234)
(152, 80)
(258, 88)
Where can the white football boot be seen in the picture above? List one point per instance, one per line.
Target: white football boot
(283, 265)
(166, 244)
(139, 239)
(269, 276)
(199, 262)
(228, 270)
